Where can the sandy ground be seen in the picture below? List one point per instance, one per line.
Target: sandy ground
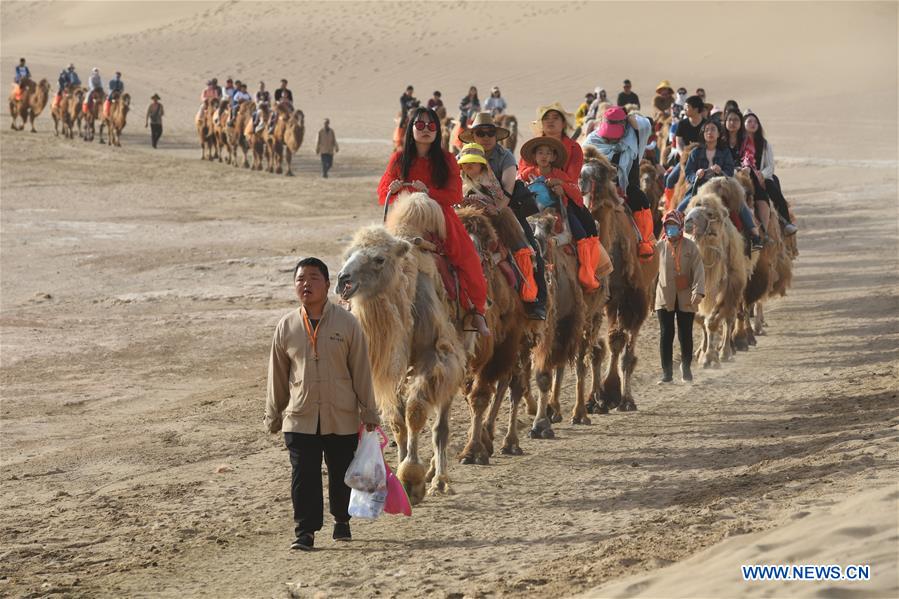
(140, 290)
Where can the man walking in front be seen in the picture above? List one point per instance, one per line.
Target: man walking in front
(326, 147)
(319, 389)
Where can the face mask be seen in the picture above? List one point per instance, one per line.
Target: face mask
(672, 231)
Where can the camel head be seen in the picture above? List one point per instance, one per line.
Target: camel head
(372, 264)
(706, 216)
(299, 119)
(597, 180)
(546, 227)
(648, 176)
(479, 228)
(126, 100)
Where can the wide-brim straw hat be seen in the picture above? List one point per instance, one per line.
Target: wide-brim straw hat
(530, 147)
(557, 106)
(664, 84)
(473, 154)
(483, 119)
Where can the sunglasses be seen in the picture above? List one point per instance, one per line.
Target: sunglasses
(485, 132)
(431, 125)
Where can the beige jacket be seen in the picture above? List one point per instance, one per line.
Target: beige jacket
(335, 391)
(326, 142)
(690, 264)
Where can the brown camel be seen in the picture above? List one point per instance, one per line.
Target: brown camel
(418, 355)
(115, 120)
(511, 123)
(496, 356)
(652, 186)
(236, 138)
(630, 284)
(67, 112)
(256, 139)
(30, 103)
(220, 131)
(92, 111)
(571, 332)
(206, 129)
(274, 139)
(727, 268)
(771, 275)
(293, 138)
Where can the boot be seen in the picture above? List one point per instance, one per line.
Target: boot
(528, 290)
(666, 376)
(646, 247)
(587, 263)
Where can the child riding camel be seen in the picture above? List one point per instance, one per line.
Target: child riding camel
(481, 188)
(544, 157)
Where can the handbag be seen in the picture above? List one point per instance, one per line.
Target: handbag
(522, 200)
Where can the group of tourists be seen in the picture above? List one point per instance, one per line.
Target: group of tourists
(235, 93)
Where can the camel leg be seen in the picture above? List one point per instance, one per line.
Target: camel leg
(516, 389)
(542, 427)
(628, 366)
(490, 425)
(610, 395)
(759, 319)
(440, 437)
(398, 427)
(596, 357)
(478, 402)
(727, 348)
(411, 472)
(579, 413)
(288, 158)
(711, 358)
(741, 334)
(555, 406)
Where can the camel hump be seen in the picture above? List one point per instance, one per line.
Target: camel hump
(415, 215)
(591, 153)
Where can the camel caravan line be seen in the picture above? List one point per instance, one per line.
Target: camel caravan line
(74, 109)
(237, 140)
(397, 280)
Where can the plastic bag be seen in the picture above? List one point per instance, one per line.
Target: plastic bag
(367, 471)
(397, 500)
(367, 505)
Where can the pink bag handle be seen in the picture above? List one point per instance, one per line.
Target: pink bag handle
(384, 439)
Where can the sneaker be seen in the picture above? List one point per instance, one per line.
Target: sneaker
(757, 244)
(306, 541)
(790, 229)
(685, 374)
(342, 532)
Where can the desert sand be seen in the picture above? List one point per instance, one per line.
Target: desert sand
(140, 289)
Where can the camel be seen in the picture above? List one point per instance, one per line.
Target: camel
(274, 139)
(571, 332)
(771, 275)
(220, 131)
(682, 186)
(630, 285)
(497, 356)
(511, 123)
(30, 104)
(92, 111)
(293, 138)
(256, 139)
(652, 186)
(115, 120)
(67, 112)
(727, 269)
(236, 138)
(418, 355)
(206, 129)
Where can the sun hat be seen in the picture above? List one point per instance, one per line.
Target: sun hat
(483, 119)
(529, 149)
(557, 106)
(155, 97)
(612, 126)
(472, 154)
(664, 84)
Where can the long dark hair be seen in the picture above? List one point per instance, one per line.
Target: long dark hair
(741, 133)
(758, 137)
(439, 168)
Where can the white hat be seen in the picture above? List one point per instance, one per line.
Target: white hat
(95, 70)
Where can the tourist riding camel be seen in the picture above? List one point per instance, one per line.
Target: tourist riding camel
(22, 73)
(422, 165)
(622, 139)
(495, 104)
(485, 132)
(627, 96)
(553, 121)
(284, 95)
(543, 158)
(94, 85)
(764, 162)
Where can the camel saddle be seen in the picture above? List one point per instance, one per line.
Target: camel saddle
(448, 275)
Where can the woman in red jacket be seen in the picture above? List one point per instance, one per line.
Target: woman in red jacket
(422, 165)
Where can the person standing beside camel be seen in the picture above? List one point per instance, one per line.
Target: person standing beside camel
(680, 288)
(155, 113)
(319, 390)
(326, 147)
